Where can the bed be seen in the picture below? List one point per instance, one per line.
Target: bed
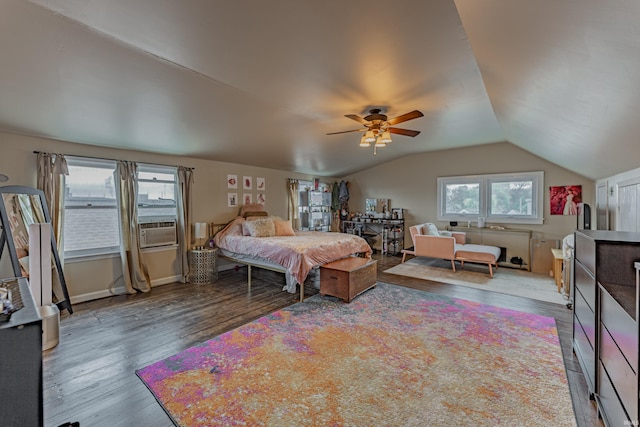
(270, 242)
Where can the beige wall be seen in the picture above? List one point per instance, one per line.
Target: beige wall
(91, 279)
(411, 182)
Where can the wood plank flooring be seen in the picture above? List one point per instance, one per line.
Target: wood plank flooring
(90, 376)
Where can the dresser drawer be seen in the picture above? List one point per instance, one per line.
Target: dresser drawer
(621, 326)
(608, 401)
(586, 316)
(585, 353)
(585, 251)
(622, 377)
(586, 284)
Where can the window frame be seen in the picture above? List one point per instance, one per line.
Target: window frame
(99, 251)
(160, 169)
(485, 194)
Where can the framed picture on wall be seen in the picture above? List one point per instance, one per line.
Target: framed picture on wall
(260, 198)
(232, 200)
(248, 198)
(247, 182)
(232, 181)
(564, 200)
(260, 184)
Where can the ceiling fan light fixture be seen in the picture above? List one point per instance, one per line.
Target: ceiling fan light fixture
(369, 136)
(364, 142)
(380, 143)
(385, 137)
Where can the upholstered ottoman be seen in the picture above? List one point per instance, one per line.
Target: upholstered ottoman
(478, 253)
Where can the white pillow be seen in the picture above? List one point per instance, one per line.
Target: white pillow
(261, 227)
(431, 229)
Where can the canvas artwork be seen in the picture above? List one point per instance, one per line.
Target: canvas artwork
(564, 200)
(232, 200)
(232, 181)
(260, 184)
(246, 183)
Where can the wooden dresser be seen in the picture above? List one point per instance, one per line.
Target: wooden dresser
(605, 327)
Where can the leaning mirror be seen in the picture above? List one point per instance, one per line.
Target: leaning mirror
(21, 207)
(376, 205)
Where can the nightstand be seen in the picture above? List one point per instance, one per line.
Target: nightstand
(202, 266)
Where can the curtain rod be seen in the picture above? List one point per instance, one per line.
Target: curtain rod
(114, 160)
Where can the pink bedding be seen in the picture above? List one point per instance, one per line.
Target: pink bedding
(298, 254)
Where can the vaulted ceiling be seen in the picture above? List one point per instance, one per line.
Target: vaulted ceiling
(262, 82)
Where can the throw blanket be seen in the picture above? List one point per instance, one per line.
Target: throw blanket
(297, 254)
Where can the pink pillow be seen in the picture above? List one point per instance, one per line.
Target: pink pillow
(284, 228)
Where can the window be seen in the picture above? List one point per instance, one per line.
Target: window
(90, 210)
(504, 198)
(157, 187)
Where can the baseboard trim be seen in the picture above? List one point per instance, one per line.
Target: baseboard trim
(90, 296)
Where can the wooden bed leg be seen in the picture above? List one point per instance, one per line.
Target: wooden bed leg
(490, 271)
(248, 277)
(453, 265)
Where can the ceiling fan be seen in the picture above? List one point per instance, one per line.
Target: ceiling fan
(378, 127)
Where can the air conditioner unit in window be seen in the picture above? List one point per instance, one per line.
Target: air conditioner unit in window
(157, 233)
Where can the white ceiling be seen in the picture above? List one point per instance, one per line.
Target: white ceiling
(262, 82)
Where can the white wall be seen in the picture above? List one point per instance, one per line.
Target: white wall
(411, 182)
(94, 278)
(612, 184)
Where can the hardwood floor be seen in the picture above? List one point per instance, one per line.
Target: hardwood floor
(90, 376)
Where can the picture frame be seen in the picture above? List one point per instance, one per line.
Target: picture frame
(247, 198)
(232, 181)
(247, 182)
(261, 184)
(232, 200)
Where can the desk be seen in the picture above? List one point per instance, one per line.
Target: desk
(558, 259)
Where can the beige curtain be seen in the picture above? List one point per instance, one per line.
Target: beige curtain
(292, 187)
(134, 271)
(51, 170)
(185, 212)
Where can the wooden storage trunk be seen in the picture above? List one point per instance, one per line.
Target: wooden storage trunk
(347, 277)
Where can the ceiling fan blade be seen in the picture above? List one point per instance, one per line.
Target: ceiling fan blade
(405, 132)
(347, 131)
(357, 118)
(403, 118)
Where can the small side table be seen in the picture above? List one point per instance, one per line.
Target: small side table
(558, 259)
(202, 266)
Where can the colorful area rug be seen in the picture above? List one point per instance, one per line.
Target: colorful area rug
(505, 280)
(392, 357)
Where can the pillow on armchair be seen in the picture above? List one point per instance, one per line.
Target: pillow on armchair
(431, 230)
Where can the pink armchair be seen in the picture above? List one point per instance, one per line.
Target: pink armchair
(450, 245)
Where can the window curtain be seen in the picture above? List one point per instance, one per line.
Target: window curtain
(185, 212)
(293, 187)
(134, 272)
(51, 170)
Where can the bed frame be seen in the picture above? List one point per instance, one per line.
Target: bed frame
(253, 262)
